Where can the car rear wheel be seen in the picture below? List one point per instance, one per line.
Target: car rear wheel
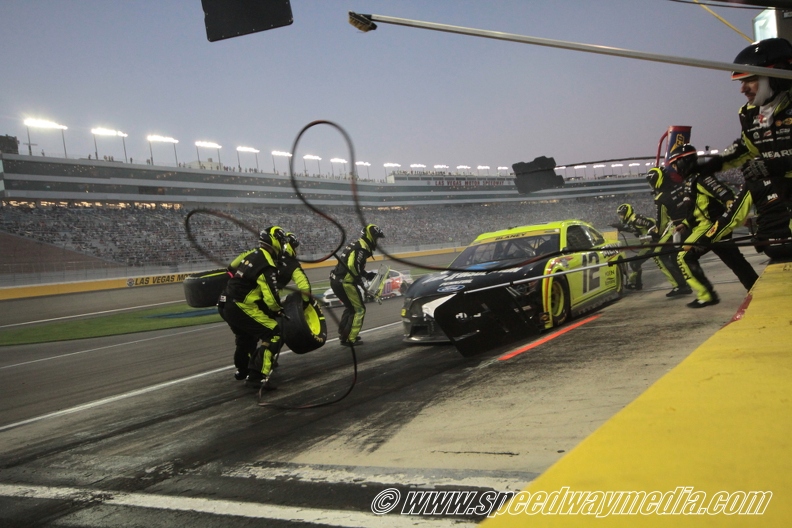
(559, 301)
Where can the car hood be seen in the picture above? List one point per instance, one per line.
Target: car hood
(474, 277)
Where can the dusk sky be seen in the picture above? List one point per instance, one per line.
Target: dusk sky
(405, 95)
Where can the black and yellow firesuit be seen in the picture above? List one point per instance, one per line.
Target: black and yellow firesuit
(764, 150)
(640, 226)
(708, 198)
(250, 305)
(346, 282)
(669, 198)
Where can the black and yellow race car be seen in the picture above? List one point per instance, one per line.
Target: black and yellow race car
(514, 283)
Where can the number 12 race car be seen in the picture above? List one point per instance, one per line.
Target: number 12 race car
(512, 284)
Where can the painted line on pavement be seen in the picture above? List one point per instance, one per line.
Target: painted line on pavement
(545, 339)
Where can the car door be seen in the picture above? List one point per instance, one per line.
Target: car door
(586, 283)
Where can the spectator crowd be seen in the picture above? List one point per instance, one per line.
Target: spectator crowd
(138, 235)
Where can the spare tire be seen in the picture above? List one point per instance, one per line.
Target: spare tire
(304, 329)
(203, 289)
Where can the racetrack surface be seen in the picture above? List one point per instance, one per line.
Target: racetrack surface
(151, 429)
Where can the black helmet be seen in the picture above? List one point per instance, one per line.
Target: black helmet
(273, 237)
(684, 160)
(769, 53)
(371, 233)
(624, 211)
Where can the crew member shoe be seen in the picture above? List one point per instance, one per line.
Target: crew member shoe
(634, 287)
(686, 290)
(701, 304)
(240, 374)
(344, 342)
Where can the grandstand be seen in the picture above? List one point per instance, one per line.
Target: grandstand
(132, 216)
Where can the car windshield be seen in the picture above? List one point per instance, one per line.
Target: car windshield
(508, 249)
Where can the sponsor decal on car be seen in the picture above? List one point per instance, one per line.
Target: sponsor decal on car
(451, 288)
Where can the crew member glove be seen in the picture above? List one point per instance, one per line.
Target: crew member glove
(370, 275)
(759, 169)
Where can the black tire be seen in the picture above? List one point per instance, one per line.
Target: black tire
(559, 301)
(201, 290)
(304, 329)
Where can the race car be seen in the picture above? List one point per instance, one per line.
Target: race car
(395, 284)
(514, 283)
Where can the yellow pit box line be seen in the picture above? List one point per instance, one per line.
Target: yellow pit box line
(706, 437)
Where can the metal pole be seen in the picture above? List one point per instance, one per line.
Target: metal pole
(239, 163)
(219, 163)
(151, 152)
(30, 147)
(96, 149)
(273, 164)
(63, 136)
(197, 153)
(257, 162)
(576, 46)
(174, 155)
(123, 142)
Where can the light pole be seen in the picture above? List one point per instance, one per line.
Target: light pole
(634, 165)
(162, 139)
(338, 160)
(563, 168)
(441, 167)
(504, 169)
(483, 167)
(283, 155)
(389, 166)
(99, 131)
(210, 144)
(417, 166)
(312, 157)
(247, 149)
(367, 165)
(598, 166)
(43, 123)
(576, 167)
(462, 167)
(614, 165)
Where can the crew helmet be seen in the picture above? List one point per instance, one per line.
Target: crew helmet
(768, 53)
(684, 160)
(624, 211)
(273, 237)
(371, 233)
(291, 244)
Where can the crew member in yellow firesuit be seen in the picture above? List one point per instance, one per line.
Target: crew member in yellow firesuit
(639, 226)
(346, 281)
(669, 200)
(708, 198)
(250, 305)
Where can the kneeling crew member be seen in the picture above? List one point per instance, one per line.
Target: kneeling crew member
(250, 305)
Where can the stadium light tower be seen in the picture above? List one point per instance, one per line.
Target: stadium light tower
(504, 169)
(441, 167)
(99, 131)
(43, 123)
(312, 157)
(389, 166)
(337, 160)
(482, 167)
(576, 167)
(367, 165)
(162, 139)
(247, 149)
(210, 144)
(463, 167)
(614, 165)
(633, 165)
(280, 155)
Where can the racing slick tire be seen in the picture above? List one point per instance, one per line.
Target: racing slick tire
(201, 290)
(559, 301)
(304, 328)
